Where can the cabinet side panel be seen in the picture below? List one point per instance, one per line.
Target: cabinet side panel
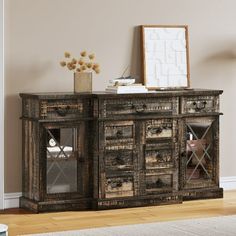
(216, 175)
(30, 160)
(35, 147)
(25, 158)
(30, 108)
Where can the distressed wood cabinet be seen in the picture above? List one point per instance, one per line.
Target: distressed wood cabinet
(101, 151)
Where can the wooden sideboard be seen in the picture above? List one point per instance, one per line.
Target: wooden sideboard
(102, 151)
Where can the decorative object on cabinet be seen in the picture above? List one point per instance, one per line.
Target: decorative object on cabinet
(102, 151)
(165, 56)
(125, 85)
(82, 69)
(133, 88)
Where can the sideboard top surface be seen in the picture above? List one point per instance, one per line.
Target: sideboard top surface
(102, 94)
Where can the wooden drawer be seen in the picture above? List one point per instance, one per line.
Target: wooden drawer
(119, 133)
(119, 186)
(119, 160)
(199, 104)
(159, 182)
(158, 156)
(144, 106)
(64, 109)
(161, 128)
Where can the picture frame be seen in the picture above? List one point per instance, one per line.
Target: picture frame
(165, 56)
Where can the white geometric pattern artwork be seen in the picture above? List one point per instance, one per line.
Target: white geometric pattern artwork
(165, 56)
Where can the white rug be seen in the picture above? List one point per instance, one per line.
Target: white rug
(222, 226)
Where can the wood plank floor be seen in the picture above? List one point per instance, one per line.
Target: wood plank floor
(24, 222)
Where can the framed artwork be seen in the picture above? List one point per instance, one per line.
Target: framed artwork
(165, 56)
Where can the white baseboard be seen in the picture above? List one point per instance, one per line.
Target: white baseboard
(11, 200)
(228, 183)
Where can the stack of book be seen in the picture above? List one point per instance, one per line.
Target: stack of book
(132, 88)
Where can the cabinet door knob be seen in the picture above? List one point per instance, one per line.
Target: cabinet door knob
(183, 154)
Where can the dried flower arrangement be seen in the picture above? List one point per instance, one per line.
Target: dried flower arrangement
(84, 64)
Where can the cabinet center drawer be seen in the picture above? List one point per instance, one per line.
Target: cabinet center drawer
(162, 128)
(119, 160)
(119, 187)
(158, 158)
(121, 107)
(119, 133)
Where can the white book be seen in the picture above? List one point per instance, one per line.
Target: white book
(139, 86)
(127, 89)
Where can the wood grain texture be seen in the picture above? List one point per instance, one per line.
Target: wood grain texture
(21, 221)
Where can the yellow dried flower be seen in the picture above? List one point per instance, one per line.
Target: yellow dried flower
(83, 67)
(85, 62)
(81, 62)
(97, 70)
(69, 66)
(73, 61)
(63, 63)
(83, 54)
(91, 56)
(89, 65)
(96, 65)
(67, 54)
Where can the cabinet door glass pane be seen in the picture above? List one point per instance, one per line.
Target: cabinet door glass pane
(199, 147)
(61, 160)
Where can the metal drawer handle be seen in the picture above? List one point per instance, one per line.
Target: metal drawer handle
(139, 109)
(115, 184)
(158, 155)
(119, 160)
(200, 106)
(62, 111)
(119, 184)
(157, 130)
(119, 134)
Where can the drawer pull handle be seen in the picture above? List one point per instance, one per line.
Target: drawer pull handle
(158, 155)
(62, 111)
(119, 184)
(119, 160)
(119, 134)
(153, 131)
(139, 109)
(158, 130)
(199, 106)
(115, 184)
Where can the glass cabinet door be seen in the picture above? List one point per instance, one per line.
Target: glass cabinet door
(65, 155)
(200, 152)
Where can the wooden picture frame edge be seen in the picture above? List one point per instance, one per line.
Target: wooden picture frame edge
(143, 65)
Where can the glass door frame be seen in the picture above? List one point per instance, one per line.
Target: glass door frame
(58, 125)
(213, 182)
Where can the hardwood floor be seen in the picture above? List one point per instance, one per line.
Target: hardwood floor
(24, 222)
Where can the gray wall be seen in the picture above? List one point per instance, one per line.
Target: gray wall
(38, 32)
